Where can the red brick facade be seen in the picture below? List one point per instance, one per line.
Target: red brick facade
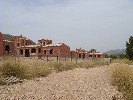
(94, 54)
(44, 42)
(83, 54)
(22, 47)
(1, 44)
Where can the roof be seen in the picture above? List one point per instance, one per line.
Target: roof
(37, 45)
(31, 45)
(59, 44)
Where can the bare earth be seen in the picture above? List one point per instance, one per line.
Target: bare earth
(78, 84)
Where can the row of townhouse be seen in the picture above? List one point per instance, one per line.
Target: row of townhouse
(20, 46)
(83, 54)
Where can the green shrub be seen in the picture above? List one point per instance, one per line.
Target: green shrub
(123, 79)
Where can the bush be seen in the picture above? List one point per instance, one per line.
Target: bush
(28, 69)
(123, 61)
(123, 79)
(12, 67)
(86, 64)
(24, 69)
(64, 66)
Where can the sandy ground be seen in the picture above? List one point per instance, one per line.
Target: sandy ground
(77, 84)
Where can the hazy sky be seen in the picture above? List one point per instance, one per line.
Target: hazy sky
(99, 24)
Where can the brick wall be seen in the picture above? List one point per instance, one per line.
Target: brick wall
(54, 51)
(1, 45)
(22, 41)
(65, 50)
(12, 49)
(44, 42)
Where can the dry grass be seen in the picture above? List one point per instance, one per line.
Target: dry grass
(91, 63)
(123, 78)
(24, 69)
(123, 61)
(64, 66)
(28, 69)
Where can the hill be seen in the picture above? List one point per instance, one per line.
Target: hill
(115, 52)
(10, 37)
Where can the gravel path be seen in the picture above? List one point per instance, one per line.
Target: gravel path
(78, 84)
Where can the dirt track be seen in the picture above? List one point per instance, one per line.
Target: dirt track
(78, 84)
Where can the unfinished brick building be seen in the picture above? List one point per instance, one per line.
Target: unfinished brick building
(93, 54)
(83, 54)
(20, 46)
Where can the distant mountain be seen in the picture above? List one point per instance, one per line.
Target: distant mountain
(8, 37)
(115, 52)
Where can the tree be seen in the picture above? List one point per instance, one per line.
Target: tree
(129, 48)
(113, 56)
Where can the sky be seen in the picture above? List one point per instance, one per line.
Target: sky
(89, 24)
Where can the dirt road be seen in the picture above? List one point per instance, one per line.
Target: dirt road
(78, 84)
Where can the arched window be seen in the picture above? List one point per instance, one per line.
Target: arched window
(21, 52)
(7, 48)
(33, 50)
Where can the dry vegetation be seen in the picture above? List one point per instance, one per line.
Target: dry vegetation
(123, 78)
(123, 61)
(28, 69)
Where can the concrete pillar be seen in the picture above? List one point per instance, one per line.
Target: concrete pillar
(23, 52)
(30, 51)
(18, 52)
